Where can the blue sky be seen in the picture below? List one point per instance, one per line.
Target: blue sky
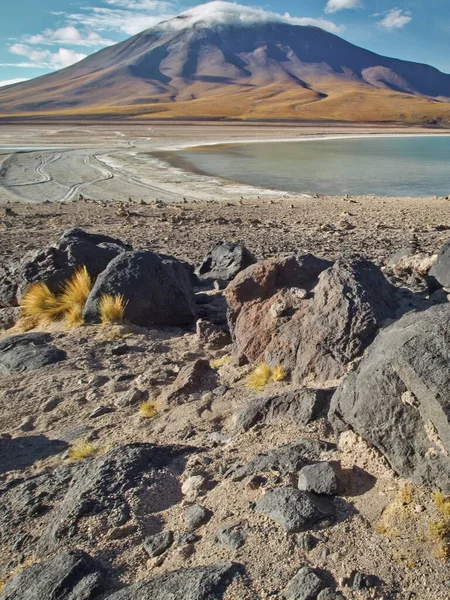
(38, 37)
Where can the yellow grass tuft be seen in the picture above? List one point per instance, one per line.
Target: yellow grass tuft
(81, 450)
(220, 362)
(75, 292)
(439, 531)
(112, 308)
(41, 303)
(263, 375)
(443, 503)
(278, 373)
(74, 316)
(260, 377)
(24, 324)
(147, 410)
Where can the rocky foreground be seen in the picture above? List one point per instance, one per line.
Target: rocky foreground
(271, 420)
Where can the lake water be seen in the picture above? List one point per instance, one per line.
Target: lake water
(381, 166)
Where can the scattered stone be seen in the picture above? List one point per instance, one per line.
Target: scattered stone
(224, 261)
(101, 410)
(51, 404)
(193, 485)
(187, 538)
(69, 576)
(157, 544)
(27, 424)
(306, 541)
(299, 406)
(329, 594)
(319, 478)
(9, 316)
(155, 296)
(28, 352)
(221, 390)
(197, 583)
(285, 459)
(293, 509)
(196, 516)
(405, 375)
(130, 398)
(305, 585)
(232, 536)
(120, 349)
(187, 382)
(362, 581)
(219, 437)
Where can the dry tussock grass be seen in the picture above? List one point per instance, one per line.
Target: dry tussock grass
(112, 309)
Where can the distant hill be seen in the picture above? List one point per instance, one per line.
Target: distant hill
(193, 67)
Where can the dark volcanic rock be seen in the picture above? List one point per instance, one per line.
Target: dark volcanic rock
(319, 478)
(57, 263)
(198, 583)
(224, 261)
(233, 536)
(399, 399)
(99, 485)
(441, 269)
(293, 509)
(305, 585)
(69, 576)
(157, 544)
(286, 459)
(155, 293)
(316, 336)
(299, 406)
(28, 352)
(196, 516)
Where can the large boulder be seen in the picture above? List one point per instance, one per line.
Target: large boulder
(197, 583)
(224, 261)
(57, 263)
(399, 398)
(157, 294)
(440, 272)
(68, 576)
(28, 352)
(311, 317)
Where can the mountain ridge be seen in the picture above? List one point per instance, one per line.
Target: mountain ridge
(237, 70)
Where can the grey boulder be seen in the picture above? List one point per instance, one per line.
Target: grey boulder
(398, 399)
(320, 478)
(57, 263)
(440, 271)
(293, 509)
(69, 576)
(224, 261)
(300, 406)
(155, 293)
(197, 583)
(305, 585)
(157, 544)
(28, 352)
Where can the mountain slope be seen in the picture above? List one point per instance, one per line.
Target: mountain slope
(188, 67)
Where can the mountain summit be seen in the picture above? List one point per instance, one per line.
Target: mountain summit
(224, 60)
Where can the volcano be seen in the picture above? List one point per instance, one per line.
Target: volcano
(232, 67)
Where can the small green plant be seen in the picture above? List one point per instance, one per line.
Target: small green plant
(112, 309)
(220, 362)
(263, 375)
(81, 450)
(147, 410)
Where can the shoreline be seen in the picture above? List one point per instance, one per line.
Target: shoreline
(123, 161)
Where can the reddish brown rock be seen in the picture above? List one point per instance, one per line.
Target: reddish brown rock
(318, 336)
(211, 336)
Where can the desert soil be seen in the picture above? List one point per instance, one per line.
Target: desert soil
(158, 219)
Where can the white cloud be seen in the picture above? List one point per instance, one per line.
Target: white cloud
(39, 58)
(395, 19)
(6, 82)
(334, 6)
(68, 35)
(117, 20)
(230, 13)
